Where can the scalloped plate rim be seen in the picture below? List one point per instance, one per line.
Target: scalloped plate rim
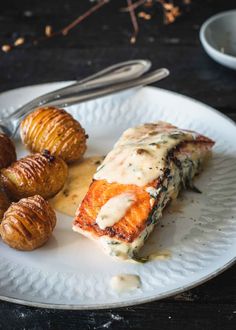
(135, 301)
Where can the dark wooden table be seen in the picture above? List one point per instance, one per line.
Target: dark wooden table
(99, 41)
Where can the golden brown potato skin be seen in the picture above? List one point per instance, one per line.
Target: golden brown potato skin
(7, 151)
(38, 174)
(4, 204)
(28, 224)
(55, 130)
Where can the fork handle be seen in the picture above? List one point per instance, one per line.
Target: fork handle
(149, 78)
(117, 73)
(146, 79)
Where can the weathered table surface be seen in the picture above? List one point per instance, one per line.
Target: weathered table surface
(99, 41)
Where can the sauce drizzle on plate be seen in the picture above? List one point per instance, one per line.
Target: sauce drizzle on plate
(79, 178)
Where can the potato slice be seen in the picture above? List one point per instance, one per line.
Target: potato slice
(55, 130)
(4, 204)
(28, 224)
(7, 151)
(38, 174)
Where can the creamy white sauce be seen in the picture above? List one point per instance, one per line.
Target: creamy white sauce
(114, 246)
(158, 255)
(139, 156)
(153, 191)
(125, 250)
(114, 209)
(125, 282)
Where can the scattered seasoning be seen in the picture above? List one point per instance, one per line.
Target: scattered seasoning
(19, 42)
(153, 143)
(48, 30)
(6, 48)
(66, 192)
(46, 154)
(158, 255)
(163, 189)
(170, 13)
(141, 151)
(153, 133)
(144, 15)
(175, 135)
(167, 172)
(133, 40)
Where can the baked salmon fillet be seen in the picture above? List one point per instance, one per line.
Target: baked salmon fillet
(145, 170)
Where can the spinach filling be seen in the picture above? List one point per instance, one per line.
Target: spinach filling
(184, 173)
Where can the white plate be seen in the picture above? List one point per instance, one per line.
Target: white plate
(70, 272)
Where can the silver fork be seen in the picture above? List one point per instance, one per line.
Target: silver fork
(116, 78)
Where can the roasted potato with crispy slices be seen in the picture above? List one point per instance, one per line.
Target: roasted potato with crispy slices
(55, 130)
(28, 224)
(38, 174)
(4, 204)
(7, 151)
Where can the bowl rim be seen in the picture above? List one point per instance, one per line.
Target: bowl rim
(204, 40)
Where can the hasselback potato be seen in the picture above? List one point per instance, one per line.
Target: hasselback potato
(28, 223)
(38, 174)
(4, 204)
(55, 130)
(7, 151)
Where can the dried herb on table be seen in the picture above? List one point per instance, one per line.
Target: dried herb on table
(170, 9)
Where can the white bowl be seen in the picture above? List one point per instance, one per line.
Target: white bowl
(218, 37)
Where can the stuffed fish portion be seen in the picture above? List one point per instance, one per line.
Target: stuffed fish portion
(145, 170)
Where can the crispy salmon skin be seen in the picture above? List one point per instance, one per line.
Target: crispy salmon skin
(146, 169)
